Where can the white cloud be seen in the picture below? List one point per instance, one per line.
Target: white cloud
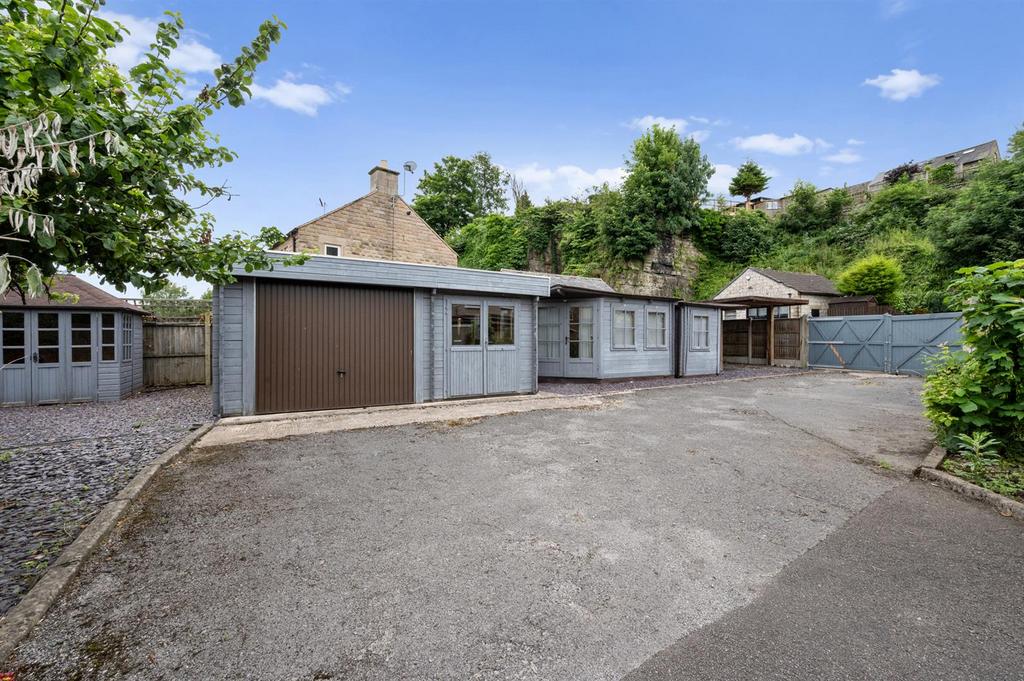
(902, 84)
(845, 155)
(719, 182)
(701, 119)
(645, 122)
(303, 98)
(565, 180)
(771, 143)
(191, 56)
(894, 8)
(699, 136)
(854, 142)
(821, 145)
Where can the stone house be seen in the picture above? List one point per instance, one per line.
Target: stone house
(378, 226)
(758, 281)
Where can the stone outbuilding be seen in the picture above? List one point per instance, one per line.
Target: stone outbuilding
(379, 225)
(814, 290)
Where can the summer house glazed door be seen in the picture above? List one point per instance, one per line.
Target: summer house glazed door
(465, 348)
(16, 376)
(579, 340)
(47, 353)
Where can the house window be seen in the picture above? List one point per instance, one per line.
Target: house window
(581, 332)
(13, 325)
(624, 329)
(656, 332)
(331, 249)
(501, 325)
(701, 333)
(81, 337)
(782, 312)
(815, 312)
(758, 313)
(731, 314)
(108, 331)
(465, 324)
(127, 334)
(549, 333)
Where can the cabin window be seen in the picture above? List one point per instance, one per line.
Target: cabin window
(332, 249)
(701, 332)
(108, 331)
(581, 332)
(13, 325)
(127, 335)
(656, 331)
(501, 325)
(624, 329)
(48, 338)
(465, 324)
(549, 333)
(81, 337)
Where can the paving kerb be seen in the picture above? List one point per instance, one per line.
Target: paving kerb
(18, 622)
(929, 470)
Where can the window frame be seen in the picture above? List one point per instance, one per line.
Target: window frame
(695, 341)
(544, 343)
(664, 328)
(579, 343)
(127, 337)
(335, 255)
(615, 345)
(113, 329)
(91, 345)
(23, 361)
(487, 338)
(464, 347)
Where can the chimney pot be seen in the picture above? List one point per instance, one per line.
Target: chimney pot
(383, 179)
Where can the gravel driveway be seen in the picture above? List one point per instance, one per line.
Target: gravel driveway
(548, 545)
(60, 464)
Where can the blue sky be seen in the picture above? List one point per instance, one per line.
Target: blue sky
(829, 92)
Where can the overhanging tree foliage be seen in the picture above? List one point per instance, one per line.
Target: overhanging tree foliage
(121, 205)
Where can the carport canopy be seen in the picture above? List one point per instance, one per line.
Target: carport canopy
(754, 302)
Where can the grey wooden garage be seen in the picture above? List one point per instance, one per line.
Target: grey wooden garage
(349, 332)
(82, 346)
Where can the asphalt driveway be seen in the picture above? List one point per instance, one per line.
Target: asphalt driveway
(549, 545)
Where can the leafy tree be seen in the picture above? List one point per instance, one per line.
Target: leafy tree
(1016, 145)
(460, 190)
(169, 291)
(739, 237)
(492, 242)
(750, 179)
(985, 221)
(875, 275)
(543, 226)
(804, 210)
(117, 154)
(666, 179)
(984, 389)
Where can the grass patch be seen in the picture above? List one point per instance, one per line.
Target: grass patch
(1002, 476)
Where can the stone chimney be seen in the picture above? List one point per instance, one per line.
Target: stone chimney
(383, 179)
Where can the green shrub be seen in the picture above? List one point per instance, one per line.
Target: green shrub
(875, 275)
(983, 388)
(492, 242)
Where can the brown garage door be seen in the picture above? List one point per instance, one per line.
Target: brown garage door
(320, 346)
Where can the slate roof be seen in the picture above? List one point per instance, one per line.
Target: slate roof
(89, 297)
(973, 154)
(801, 282)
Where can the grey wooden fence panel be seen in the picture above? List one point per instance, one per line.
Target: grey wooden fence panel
(892, 344)
(175, 353)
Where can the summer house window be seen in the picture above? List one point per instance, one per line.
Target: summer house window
(656, 331)
(549, 333)
(13, 325)
(501, 323)
(581, 332)
(81, 337)
(465, 324)
(127, 333)
(624, 329)
(701, 333)
(108, 344)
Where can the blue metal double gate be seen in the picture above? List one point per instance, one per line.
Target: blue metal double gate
(892, 344)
